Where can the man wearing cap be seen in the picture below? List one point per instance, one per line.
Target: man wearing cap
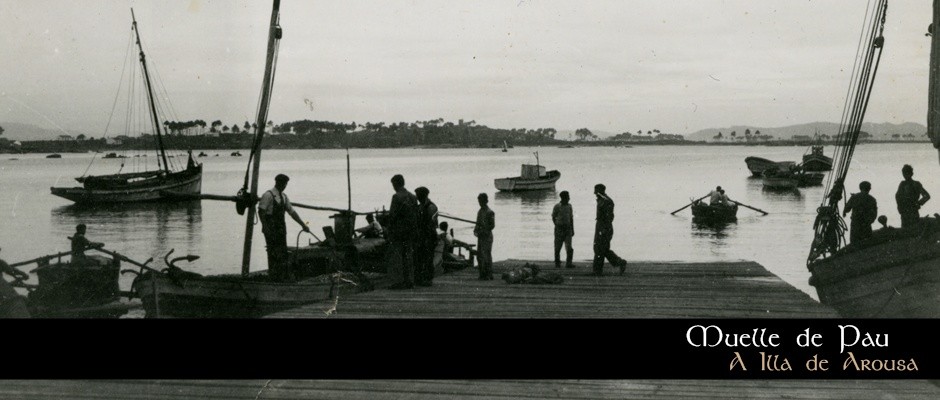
(604, 232)
(864, 211)
(271, 209)
(563, 218)
(426, 238)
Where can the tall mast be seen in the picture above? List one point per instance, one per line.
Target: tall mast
(933, 96)
(153, 108)
(274, 34)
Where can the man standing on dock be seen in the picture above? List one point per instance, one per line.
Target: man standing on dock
(604, 232)
(483, 230)
(910, 197)
(402, 224)
(864, 211)
(427, 238)
(271, 209)
(563, 218)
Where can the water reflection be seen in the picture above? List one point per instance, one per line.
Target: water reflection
(157, 225)
(528, 199)
(714, 230)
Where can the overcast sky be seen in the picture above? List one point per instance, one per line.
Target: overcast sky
(677, 66)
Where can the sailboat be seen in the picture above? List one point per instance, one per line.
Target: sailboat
(178, 293)
(895, 272)
(505, 147)
(138, 186)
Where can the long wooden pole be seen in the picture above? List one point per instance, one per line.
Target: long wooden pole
(274, 34)
(747, 206)
(687, 205)
(153, 107)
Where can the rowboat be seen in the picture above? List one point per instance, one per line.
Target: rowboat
(779, 179)
(718, 213)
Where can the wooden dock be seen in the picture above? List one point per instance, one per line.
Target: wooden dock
(439, 389)
(646, 290)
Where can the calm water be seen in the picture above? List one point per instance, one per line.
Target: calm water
(647, 183)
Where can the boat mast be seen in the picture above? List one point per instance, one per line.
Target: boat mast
(274, 34)
(933, 97)
(153, 108)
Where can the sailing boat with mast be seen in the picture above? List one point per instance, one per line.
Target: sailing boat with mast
(176, 293)
(894, 272)
(138, 186)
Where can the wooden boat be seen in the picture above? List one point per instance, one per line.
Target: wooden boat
(66, 290)
(236, 154)
(816, 160)
(779, 179)
(505, 148)
(894, 273)
(176, 293)
(533, 177)
(806, 179)
(138, 186)
(703, 212)
(757, 165)
(54, 155)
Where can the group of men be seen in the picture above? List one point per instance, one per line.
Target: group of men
(563, 218)
(910, 196)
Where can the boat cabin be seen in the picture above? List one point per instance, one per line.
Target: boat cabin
(530, 171)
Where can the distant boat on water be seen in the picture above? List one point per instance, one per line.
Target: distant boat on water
(533, 177)
(54, 155)
(757, 165)
(236, 154)
(816, 160)
(138, 186)
(505, 148)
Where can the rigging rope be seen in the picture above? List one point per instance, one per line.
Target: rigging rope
(829, 226)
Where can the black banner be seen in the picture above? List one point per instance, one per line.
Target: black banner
(473, 349)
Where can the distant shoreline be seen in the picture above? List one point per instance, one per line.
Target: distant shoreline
(79, 146)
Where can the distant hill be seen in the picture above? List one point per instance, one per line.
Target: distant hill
(18, 131)
(878, 131)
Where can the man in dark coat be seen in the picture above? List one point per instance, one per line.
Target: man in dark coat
(401, 232)
(483, 230)
(864, 211)
(563, 218)
(604, 232)
(426, 238)
(910, 197)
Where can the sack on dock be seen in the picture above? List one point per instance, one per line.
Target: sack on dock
(531, 274)
(545, 278)
(520, 274)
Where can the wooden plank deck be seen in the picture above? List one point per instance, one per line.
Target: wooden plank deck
(438, 389)
(647, 290)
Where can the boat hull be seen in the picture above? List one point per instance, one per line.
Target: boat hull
(896, 277)
(757, 165)
(809, 179)
(518, 184)
(191, 184)
(706, 213)
(816, 163)
(226, 297)
(780, 183)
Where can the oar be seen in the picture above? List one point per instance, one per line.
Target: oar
(193, 196)
(687, 205)
(745, 205)
(38, 259)
(124, 258)
(455, 218)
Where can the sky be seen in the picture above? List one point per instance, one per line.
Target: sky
(676, 66)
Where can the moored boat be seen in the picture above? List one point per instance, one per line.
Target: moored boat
(757, 165)
(816, 161)
(533, 177)
(138, 186)
(54, 155)
(779, 179)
